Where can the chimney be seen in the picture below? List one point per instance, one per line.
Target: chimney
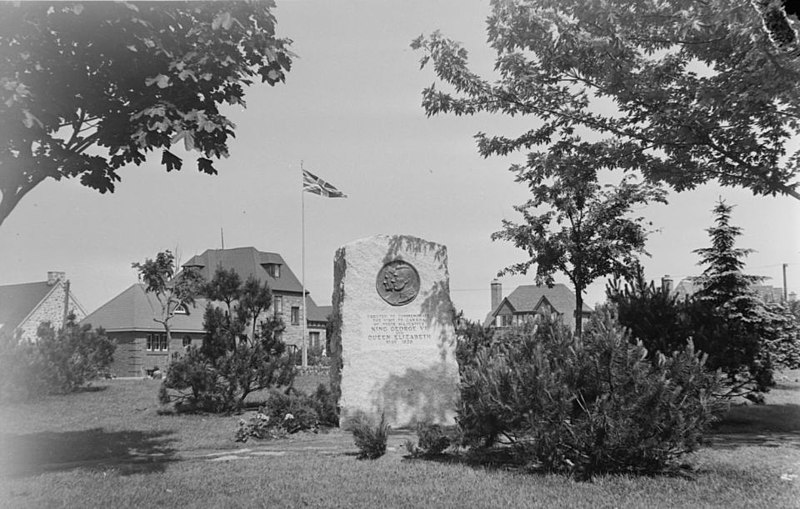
(666, 284)
(497, 293)
(54, 277)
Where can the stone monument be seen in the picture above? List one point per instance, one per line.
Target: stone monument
(393, 345)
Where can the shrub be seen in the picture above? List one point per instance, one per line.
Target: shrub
(586, 406)
(293, 412)
(317, 357)
(326, 406)
(59, 362)
(240, 353)
(432, 440)
(744, 338)
(259, 426)
(20, 368)
(370, 438)
(289, 412)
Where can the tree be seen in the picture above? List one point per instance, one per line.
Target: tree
(587, 233)
(729, 318)
(241, 353)
(88, 88)
(723, 283)
(741, 335)
(683, 91)
(172, 292)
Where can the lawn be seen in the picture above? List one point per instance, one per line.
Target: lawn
(115, 447)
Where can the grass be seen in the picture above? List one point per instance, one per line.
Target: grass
(113, 448)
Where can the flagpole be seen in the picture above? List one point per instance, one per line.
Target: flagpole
(303, 262)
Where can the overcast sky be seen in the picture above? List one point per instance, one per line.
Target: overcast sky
(350, 109)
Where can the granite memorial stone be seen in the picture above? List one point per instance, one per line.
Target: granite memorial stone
(393, 345)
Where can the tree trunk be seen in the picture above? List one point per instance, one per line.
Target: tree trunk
(578, 311)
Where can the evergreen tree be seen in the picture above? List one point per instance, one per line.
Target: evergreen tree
(728, 319)
(241, 353)
(723, 283)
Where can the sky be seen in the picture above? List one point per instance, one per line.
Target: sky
(350, 111)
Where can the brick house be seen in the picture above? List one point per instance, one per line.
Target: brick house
(141, 342)
(23, 307)
(528, 302)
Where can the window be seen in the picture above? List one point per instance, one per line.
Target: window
(504, 320)
(277, 303)
(157, 343)
(313, 339)
(181, 310)
(274, 270)
(187, 341)
(295, 315)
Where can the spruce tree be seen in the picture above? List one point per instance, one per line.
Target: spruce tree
(723, 283)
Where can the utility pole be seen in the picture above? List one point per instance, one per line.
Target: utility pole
(785, 290)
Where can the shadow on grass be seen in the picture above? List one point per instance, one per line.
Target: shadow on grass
(129, 452)
(763, 425)
(91, 388)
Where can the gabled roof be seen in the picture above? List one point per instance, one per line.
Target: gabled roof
(528, 298)
(18, 301)
(247, 261)
(316, 313)
(134, 310)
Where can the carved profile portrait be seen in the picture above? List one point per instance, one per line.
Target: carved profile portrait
(398, 283)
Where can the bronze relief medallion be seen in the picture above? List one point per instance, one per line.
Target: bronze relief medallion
(397, 283)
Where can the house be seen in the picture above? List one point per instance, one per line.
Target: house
(141, 342)
(23, 307)
(142, 345)
(690, 285)
(317, 320)
(528, 302)
(287, 292)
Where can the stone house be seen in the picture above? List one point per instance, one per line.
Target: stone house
(23, 307)
(529, 302)
(317, 321)
(287, 291)
(141, 341)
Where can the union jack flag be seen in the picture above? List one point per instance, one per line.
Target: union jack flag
(315, 185)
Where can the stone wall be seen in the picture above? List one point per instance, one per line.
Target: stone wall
(51, 309)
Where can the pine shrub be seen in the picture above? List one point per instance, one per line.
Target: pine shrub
(370, 438)
(432, 440)
(61, 361)
(586, 405)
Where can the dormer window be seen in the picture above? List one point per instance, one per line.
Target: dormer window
(274, 270)
(181, 310)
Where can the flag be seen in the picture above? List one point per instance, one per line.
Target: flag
(315, 185)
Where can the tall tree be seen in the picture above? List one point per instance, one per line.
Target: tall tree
(729, 318)
(723, 282)
(172, 292)
(683, 91)
(587, 232)
(87, 88)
